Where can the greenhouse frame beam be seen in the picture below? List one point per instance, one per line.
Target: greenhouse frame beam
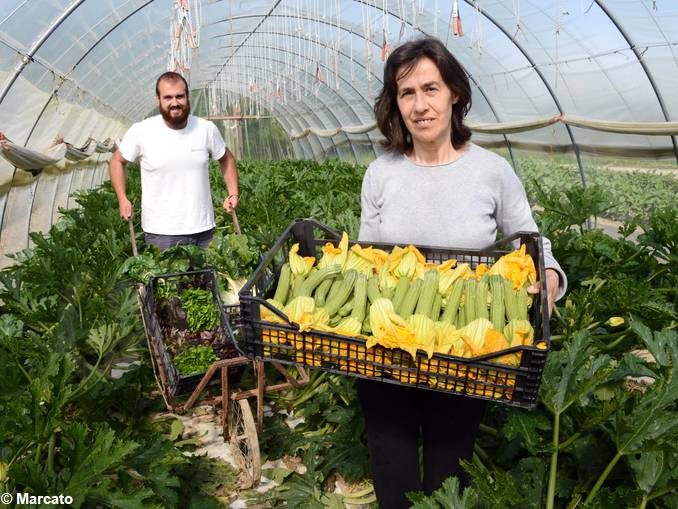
(289, 114)
(377, 77)
(351, 109)
(308, 108)
(263, 18)
(527, 56)
(84, 55)
(28, 57)
(329, 110)
(643, 65)
(470, 77)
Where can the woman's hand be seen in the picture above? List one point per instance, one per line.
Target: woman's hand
(552, 285)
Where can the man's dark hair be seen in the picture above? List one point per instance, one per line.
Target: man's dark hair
(400, 63)
(170, 76)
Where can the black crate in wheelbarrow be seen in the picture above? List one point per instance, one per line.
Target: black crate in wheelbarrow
(165, 321)
(484, 377)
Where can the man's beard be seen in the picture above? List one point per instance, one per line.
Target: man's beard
(174, 120)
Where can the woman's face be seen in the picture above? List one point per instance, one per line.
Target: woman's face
(425, 103)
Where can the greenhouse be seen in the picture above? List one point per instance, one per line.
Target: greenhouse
(341, 282)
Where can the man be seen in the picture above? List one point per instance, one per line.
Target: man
(174, 150)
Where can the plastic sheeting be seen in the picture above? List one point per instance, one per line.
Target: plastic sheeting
(87, 68)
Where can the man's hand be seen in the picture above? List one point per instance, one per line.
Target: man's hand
(125, 208)
(552, 285)
(230, 203)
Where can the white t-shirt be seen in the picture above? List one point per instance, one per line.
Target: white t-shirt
(175, 189)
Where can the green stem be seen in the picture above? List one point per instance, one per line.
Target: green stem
(489, 430)
(567, 443)
(50, 452)
(602, 477)
(614, 343)
(643, 502)
(551, 493)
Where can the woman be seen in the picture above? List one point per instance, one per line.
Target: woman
(432, 187)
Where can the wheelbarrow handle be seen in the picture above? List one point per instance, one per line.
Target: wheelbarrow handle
(236, 224)
(132, 236)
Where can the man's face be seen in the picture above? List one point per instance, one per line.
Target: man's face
(173, 103)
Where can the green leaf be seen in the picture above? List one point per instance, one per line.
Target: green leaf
(573, 373)
(657, 342)
(647, 468)
(446, 497)
(528, 427)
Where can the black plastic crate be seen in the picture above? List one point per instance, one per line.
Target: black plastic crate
(482, 377)
(175, 383)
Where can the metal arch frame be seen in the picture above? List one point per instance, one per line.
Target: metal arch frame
(263, 17)
(36, 46)
(470, 77)
(376, 76)
(643, 65)
(350, 107)
(525, 54)
(300, 112)
(289, 122)
(291, 117)
(84, 55)
(355, 156)
(17, 72)
(284, 50)
(49, 100)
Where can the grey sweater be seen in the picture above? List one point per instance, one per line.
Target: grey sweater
(462, 204)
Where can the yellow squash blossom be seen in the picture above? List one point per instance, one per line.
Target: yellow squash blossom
(448, 339)
(481, 269)
(447, 278)
(517, 267)
(519, 333)
(424, 333)
(301, 310)
(361, 259)
(388, 328)
(334, 255)
(268, 315)
(615, 321)
(473, 335)
(300, 265)
(403, 261)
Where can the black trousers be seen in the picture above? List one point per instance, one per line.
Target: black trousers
(397, 418)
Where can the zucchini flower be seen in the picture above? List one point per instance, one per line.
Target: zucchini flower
(517, 267)
(268, 315)
(481, 269)
(300, 265)
(519, 332)
(473, 335)
(361, 259)
(448, 277)
(448, 339)
(388, 328)
(403, 261)
(387, 281)
(334, 255)
(301, 311)
(424, 333)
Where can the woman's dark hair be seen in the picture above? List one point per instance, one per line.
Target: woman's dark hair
(401, 62)
(170, 76)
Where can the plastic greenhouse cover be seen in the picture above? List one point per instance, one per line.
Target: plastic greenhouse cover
(86, 68)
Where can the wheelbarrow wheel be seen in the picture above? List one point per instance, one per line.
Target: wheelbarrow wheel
(242, 431)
